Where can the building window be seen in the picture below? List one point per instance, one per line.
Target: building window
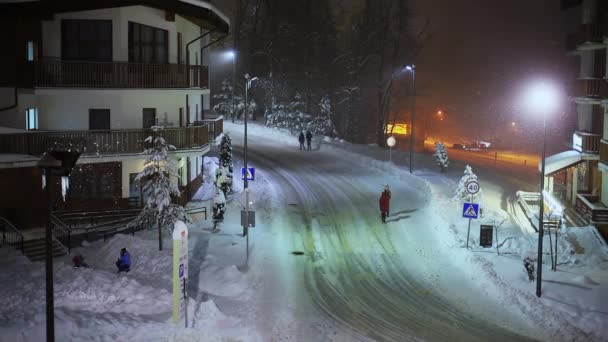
(31, 118)
(29, 51)
(148, 44)
(86, 40)
(99, 119)
(179, 48)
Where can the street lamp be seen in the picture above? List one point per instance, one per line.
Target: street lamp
(390, 141)
(541, 97)
(245, 180)
(55, 163)
(232, 55)
(412, 68)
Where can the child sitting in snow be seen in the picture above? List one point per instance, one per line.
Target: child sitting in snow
(78, 261)
(124, 262)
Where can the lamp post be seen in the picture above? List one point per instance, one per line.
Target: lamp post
(56, 163)
(541, 97)
(412, 68)
(390, 141)
(232, 54)
(245, 181)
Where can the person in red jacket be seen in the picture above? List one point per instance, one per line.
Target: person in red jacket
(385, 200)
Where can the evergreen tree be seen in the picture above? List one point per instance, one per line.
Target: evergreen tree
(461, 191)
(224, 173)
(441, 156)
(160, 176)
(219, 207)
(290, 116)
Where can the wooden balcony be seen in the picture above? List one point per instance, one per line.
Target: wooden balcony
(593, 88)
(586, 142)
(604, 152)
(127, 141)
(586, 33)
(591, 209)
(64, 74)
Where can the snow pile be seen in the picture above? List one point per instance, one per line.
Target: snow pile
(97, 304)
(207, 188)
(223, 281)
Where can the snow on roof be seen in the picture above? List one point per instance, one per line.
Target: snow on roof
(11, 160)
(209, 6)
(560, 161)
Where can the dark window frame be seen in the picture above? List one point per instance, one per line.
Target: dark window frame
(86, 40)
(96, 121)
(157, 48)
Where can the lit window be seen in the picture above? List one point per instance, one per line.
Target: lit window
(29, 53)
(31, 118)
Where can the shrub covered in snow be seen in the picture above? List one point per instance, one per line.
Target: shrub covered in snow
(219, 207)
(441, 156)
(293, 117)
(223, 176)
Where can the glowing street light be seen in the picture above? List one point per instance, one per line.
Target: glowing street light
(412, 68)
(541, 97)
(390, 141)
(232, 55)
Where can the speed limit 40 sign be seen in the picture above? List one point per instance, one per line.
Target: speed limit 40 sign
(472, 187)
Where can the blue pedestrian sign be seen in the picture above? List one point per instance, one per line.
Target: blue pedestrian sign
(250, 173)
(470, 210)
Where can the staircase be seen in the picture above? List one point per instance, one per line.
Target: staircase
(35, 249)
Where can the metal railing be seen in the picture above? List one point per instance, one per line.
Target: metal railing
(11, 236)
(62, 233)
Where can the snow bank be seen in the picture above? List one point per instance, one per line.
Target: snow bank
(223, 281)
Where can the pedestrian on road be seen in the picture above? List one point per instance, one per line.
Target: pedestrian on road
(124, 262)
(385, 200)
(308, 138)
(301, 140)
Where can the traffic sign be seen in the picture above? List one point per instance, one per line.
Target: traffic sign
(250, 173)
(472, 187)
(470, 210)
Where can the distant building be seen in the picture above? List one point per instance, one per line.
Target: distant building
(579, 177)
(95, 75)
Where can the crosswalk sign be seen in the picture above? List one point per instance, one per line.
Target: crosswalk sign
(470, 210)
(250, 174)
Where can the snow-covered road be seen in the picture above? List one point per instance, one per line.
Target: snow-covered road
(388, 282)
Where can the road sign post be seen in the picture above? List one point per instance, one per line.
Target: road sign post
(180, 271)
(249, 174)
(470, 211)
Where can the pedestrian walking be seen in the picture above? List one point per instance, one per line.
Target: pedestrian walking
(301, 140)
(308, 138)
(385, 200)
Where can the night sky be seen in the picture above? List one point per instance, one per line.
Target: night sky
(482, 52)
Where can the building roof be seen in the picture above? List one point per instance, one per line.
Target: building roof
(561, 161)
(198, 9)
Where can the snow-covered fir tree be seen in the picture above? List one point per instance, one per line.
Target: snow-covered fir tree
(290, 116)
(230, 106)
(225, 175)
(225, 101)
(323, 123)
(461, 191)
(441, 156)
(160, 177)
(219, 208)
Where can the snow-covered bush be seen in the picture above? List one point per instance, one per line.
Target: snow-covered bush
(219, 207)
(223, 174)
(441, 156)
(160, 176)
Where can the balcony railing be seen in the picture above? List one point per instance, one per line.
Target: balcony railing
(591, 209)
(127, 141)
(586, 33)
(595, 88)
(586, 142)
(114, 75)
(604, 152)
